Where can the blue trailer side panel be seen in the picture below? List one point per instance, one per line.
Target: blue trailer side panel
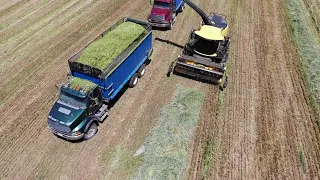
(115, 81)
(121, 75)
(178, 4)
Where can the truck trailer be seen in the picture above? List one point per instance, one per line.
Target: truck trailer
(163, 13)
(84, 101)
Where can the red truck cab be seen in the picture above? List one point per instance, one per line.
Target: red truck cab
(163, 12)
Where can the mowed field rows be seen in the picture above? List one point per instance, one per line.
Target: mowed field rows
(265, 130)
(261, 125)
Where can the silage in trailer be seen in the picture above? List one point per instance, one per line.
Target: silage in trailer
(78, 83)
(167, 145)
(100, 53)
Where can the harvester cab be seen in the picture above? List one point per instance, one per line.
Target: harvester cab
(205, 55)
(207, 42)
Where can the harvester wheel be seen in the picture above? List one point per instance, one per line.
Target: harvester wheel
(170, 69)
(134, 80)
(225, 83)
(142, 70)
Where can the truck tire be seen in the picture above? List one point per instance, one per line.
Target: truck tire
(170, 26)
(181, 8)
(93, 129)
(142, 71)
(170, 69)
(134, 80)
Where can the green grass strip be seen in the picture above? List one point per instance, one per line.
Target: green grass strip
(308, 48)
(100, 53)
(302, 159)
(207, 159)
(167, 145)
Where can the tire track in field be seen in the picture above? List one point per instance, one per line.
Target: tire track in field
(31, 109)
(27, 42)
(287, 106)
(208, 117)
(31, 68)
(236, 138)
(63, 148)
(34, 22)
(8, 4)
(267, 115)
(22, 7)
(36, 13)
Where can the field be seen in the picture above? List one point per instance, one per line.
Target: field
(263, 126)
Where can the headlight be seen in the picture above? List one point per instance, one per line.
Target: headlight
(76, 133)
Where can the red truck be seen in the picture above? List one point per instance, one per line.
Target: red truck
(163, 12)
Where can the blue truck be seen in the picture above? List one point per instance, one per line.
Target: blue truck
(84, 101)
(164, 12)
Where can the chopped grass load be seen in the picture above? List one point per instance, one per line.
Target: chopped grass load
(100, 53)
(167, 145)
(81, 84)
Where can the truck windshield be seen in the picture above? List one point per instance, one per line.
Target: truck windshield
(161, 5)
(73, 100)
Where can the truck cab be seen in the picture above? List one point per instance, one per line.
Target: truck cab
(163, 12)
(76, 113)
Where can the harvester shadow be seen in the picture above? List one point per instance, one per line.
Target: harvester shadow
(215, 83)
(169, 42)
(160, 28)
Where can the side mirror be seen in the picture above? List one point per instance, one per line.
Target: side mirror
(94, 102)
(58, 86)
(69, 74)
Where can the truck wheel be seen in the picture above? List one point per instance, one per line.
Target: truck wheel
(170, 26)
(181, 8)
(134, 80)
(170, 69)
(93, 129)
(142, 71)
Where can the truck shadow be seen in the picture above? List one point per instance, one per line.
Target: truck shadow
(160, 28)
(117, 97)
(169, 42)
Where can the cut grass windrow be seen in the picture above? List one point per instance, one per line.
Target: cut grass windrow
(302, 159)
(308, 48)
(208, 156)
(167, 145)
